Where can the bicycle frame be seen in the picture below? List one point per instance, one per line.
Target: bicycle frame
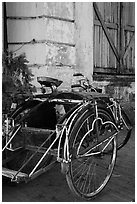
(116, 110)
(62, 130)
(77, 128)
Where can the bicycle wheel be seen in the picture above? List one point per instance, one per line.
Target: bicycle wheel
(93, 151)
(125, 131)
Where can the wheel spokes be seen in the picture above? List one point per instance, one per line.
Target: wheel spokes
(93, 156)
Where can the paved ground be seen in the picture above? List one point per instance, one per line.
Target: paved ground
(52, 186)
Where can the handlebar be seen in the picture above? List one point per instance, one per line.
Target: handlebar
(85, 84)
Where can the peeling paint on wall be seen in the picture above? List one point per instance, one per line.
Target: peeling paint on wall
(47, 54)
(45, 32)
(48, 31)
(60, 9)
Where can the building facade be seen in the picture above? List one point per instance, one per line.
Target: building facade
(62, 38)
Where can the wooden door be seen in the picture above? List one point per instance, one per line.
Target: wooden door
(114, 41)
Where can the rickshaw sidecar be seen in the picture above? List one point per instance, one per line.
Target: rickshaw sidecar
(77, 129)
(30, 132)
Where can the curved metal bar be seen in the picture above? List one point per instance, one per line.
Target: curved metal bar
(62, 131)
(103, 123)
(86, 154)
(67, 128)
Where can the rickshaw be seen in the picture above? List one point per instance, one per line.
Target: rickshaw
(82, 130)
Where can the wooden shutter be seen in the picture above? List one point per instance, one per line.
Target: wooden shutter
(114, 42)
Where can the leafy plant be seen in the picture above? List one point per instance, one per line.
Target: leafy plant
(16, 78)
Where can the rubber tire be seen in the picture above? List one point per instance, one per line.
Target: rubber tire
(126, 138)
(69, 174)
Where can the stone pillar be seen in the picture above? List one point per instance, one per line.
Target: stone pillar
(84, 38)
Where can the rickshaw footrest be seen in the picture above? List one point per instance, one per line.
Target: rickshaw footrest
(11, 173)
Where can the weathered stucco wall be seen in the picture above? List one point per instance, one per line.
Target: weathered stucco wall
(54, 36)
(84, 38)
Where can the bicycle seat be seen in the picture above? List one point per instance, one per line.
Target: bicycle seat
(49, 82)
